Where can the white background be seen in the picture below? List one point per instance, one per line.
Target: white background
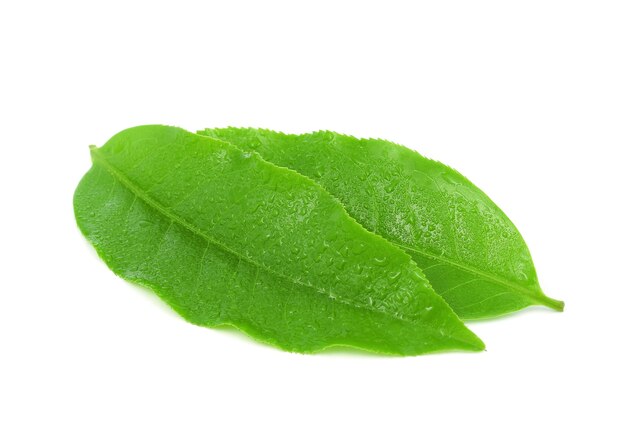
(527, 99)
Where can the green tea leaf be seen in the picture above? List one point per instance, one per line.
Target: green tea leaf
(225, 237)
(470, 251)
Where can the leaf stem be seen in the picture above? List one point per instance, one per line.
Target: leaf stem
(552, 303)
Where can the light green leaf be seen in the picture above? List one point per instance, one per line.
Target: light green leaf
(225, 237)
(470, 251)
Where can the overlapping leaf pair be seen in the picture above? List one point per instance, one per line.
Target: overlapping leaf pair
(305, 241)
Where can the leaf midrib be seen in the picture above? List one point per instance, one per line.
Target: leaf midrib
(530, 294)
(139, 193)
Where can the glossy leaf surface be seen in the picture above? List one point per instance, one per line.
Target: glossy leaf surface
(470, 251)
(225, 237)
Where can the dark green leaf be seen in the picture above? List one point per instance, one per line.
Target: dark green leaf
(470, 251)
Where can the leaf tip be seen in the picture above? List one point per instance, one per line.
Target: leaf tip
(468, 340)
